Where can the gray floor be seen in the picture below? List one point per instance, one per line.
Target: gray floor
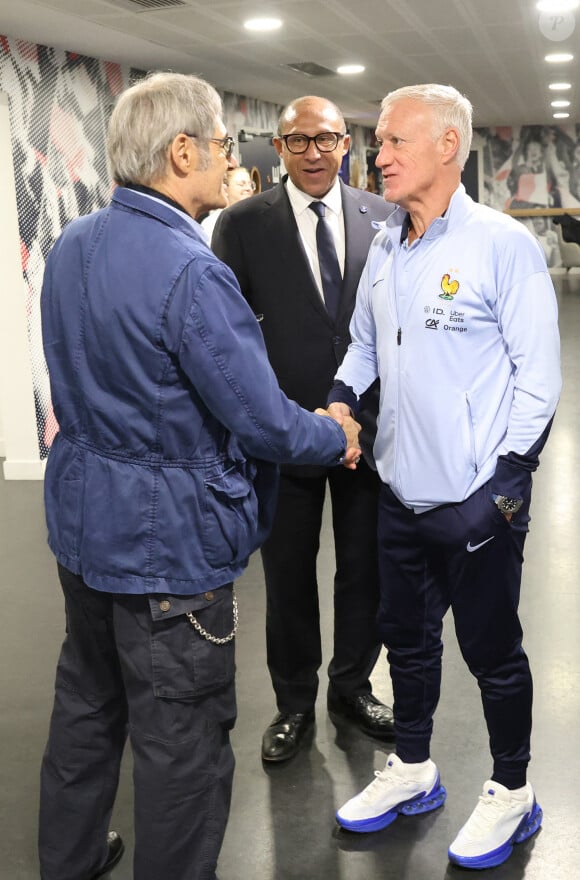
(282, 824)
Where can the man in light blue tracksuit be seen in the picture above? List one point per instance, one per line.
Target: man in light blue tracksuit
(457, 315)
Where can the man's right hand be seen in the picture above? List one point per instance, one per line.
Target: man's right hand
(339, 411)
(342, 414)
(352, 430)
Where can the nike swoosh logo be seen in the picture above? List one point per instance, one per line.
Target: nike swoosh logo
(471, 548)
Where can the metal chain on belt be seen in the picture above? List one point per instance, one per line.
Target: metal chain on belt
(214, 639)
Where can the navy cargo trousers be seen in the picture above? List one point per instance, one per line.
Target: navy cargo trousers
(133, 665)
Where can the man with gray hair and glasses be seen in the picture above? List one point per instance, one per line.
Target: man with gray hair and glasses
(457, 315)
(160, 483)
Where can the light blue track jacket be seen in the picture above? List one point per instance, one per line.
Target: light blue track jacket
(461, 328)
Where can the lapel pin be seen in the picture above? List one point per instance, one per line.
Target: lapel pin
(363, 209)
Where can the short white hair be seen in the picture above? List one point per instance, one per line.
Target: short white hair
(148, 116)
(451, 109)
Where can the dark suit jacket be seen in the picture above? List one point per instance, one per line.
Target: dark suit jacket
(259, 239)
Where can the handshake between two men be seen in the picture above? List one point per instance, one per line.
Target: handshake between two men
(341, 413)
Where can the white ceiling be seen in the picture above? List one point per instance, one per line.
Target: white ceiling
(492, 50)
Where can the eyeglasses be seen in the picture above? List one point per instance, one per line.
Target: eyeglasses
(326, 141)
(226, 143)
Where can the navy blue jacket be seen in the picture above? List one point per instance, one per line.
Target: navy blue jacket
(163, 475)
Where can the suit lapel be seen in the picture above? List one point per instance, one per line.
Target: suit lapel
(355, 243)
(358, 234)
(283, 244)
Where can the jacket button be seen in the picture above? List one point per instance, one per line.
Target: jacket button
(208, 596)
(164, 605)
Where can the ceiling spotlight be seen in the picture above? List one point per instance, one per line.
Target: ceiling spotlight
(560, 87)
(559, 103)
(561, 115)
(557, 5)
(263, 24)
(559, 57)
(350, 68)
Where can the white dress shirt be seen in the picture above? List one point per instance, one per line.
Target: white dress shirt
(307, 220)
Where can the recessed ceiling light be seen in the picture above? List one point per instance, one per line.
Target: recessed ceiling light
(560, 87)
(561, 115)
(557, 5)
(559, 57)
(350, 68)
(559, 103)
(263, 24)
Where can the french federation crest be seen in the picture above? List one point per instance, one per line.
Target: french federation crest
(448, 287)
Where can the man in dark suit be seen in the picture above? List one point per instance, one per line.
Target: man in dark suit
(271, 243)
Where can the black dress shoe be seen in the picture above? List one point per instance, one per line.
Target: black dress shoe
(282, 738)
(116, 848)
(366, 712)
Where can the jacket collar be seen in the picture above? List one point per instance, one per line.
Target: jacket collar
(154, 205)
(149, 191)
(456, 212)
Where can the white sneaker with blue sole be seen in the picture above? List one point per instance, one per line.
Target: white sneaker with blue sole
(501, 819)
(400, 788)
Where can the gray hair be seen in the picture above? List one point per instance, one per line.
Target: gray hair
(294, 107)
(451, 109)
(149, 115)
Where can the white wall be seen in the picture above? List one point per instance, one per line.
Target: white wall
(18, 431)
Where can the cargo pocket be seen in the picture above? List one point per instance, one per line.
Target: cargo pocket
(185, 664)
